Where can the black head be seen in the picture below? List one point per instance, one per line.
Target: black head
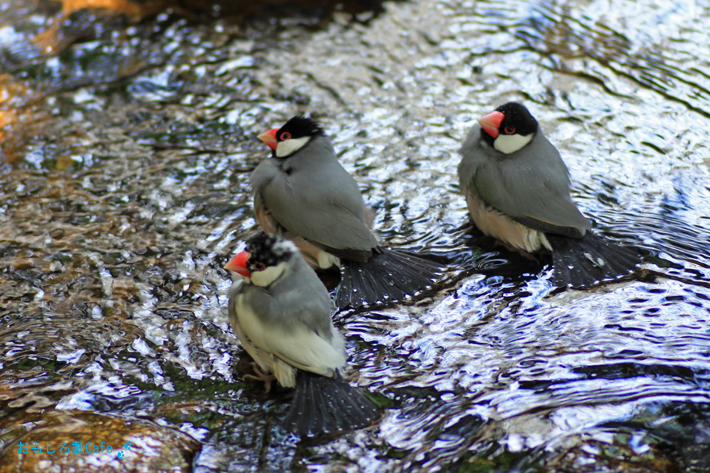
(268, 250)
(298, 127)
(517, 120)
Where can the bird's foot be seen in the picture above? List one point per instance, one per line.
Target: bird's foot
(266, 378)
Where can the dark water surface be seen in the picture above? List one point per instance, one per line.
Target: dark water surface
(123, 190)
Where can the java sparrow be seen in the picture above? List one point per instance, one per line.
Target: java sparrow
(280, 312)
(518, 190)
(303, 193)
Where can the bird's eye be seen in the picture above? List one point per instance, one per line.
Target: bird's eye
(285, 136)
(509, 130)
(259, 266)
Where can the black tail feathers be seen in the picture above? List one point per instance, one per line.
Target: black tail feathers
(587, 261)
(324, 406)
(387, 277)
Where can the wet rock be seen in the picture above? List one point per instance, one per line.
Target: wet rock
(76, 441)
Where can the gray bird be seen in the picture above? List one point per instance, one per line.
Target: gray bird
(280, 312)
(303, 193)
(518, 190)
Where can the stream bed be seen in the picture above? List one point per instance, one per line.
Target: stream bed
(127, 138)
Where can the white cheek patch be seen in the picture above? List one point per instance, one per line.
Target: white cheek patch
(511, 143)
(284, 246)
(288, 147)
(268, 276)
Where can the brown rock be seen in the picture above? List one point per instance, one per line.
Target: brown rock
(152, 447)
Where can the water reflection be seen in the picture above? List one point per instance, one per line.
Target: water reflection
(126, 191)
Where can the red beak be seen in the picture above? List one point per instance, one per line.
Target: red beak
(269, 138)
(239, 264)
(491, 123)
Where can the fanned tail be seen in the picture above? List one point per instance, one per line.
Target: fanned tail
(324, 405)
(587, 261)
(386, 278)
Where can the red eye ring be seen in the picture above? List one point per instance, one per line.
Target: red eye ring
(285, 136)
(259, 266)
(509, 130)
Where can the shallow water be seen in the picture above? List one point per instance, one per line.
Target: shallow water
(124, 191)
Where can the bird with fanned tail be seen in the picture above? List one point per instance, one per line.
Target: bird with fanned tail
(303, 193)
(518, 190)
(280, 312)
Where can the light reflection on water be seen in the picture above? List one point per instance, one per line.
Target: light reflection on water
(123, 247)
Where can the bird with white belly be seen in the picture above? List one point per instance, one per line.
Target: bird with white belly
(280, 312)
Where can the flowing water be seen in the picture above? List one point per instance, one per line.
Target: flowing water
(127, 148)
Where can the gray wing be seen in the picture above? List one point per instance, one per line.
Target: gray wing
(531, 186)
(270, 225)
(549, 227)
(315, 199)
